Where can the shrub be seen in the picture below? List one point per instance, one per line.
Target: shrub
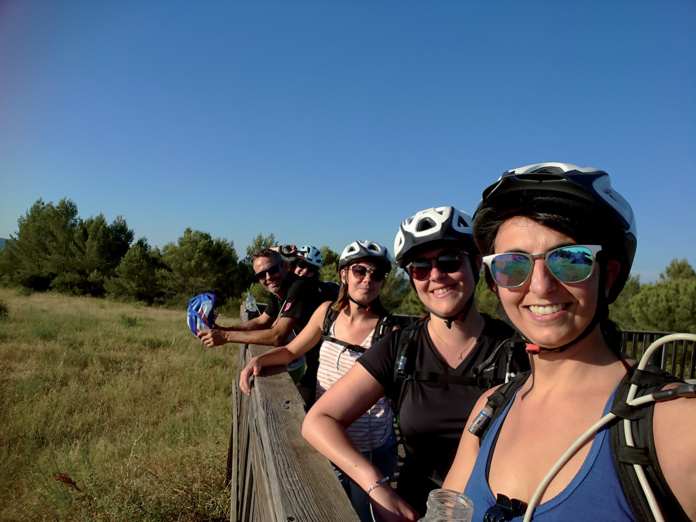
(24, 291)
(128, 321)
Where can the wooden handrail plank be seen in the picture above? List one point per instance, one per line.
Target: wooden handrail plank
(233, 452)
(301, 482)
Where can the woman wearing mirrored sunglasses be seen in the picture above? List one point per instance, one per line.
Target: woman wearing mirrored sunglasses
(558, 243)
(363, 267)
(433, 372)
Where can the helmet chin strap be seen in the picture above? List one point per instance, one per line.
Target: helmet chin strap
(460, 316)
(601, 313)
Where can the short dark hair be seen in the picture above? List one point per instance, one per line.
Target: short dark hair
(267, 252)
(583, 222)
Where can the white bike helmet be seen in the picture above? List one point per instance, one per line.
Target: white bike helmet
(311, 254)
(434, 228)
(365, 250)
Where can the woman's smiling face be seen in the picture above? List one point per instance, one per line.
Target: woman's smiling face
(549, 313)
(445, 293)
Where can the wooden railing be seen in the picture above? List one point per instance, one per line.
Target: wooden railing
(274, 474)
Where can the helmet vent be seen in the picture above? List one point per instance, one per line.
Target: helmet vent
(425, 224)
(548, 170)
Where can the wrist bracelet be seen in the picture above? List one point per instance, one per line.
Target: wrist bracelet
(378, 483)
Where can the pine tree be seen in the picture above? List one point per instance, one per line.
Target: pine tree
(670, 304)
(136, 275)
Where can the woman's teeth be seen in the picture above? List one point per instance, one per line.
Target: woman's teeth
(546, 310)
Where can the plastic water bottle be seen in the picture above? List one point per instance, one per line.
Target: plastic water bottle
(250, 304)
(448, 505)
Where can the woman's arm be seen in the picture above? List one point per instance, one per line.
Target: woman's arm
(305, 341)
(325, 429)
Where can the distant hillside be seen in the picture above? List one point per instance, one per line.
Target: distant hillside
(2, 243)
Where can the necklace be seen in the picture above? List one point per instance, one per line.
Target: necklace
(469, 344)
(461, 353)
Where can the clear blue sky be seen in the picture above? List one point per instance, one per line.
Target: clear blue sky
(323, 122)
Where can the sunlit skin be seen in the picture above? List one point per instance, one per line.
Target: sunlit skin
(444, 293)
(365, 290)
(272, 283)
(548, 312)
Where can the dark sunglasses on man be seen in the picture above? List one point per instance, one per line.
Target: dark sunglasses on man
(271, 271)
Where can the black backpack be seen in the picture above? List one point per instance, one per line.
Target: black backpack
(484, 375)
(385, 325)
(309, 380)
(649, 380)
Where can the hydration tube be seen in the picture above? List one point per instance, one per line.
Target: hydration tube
(686, 390)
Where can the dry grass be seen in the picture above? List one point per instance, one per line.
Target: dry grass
(110, 412)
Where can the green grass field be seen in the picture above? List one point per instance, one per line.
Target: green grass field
(110, 411)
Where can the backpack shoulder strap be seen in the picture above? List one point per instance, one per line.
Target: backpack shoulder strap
(643, 452)
(385, 325)
(495, 405)
(407, 344)
(329, 319)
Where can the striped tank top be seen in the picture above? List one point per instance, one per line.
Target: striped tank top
(372, 429)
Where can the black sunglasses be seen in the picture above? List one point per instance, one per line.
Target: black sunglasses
(359, 271)
(449, 261)
(271, 271)
(305, 266)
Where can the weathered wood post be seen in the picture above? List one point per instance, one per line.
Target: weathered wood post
(276, 475)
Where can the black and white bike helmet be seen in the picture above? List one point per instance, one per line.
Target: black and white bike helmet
(438, 227)
(589, 187)
(365, 250)
(434, 228)
(311, 254)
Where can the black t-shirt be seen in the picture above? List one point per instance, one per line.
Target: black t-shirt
(302, 297)
(433, 415)
(329, 290)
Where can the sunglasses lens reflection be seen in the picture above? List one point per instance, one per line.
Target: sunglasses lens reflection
(571, 264)
(510, 270)
(567, 264)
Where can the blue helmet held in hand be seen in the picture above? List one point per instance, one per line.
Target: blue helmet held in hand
(201, 312)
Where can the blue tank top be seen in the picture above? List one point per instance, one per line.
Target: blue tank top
(595, 493)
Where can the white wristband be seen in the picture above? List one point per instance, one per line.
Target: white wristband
(378, 483)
